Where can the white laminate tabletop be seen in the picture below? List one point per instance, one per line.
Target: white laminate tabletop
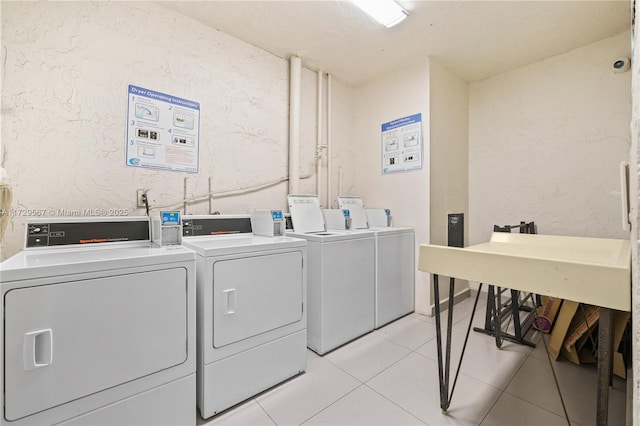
(596, 271)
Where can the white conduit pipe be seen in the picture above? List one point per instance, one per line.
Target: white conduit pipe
(229, 193)
(294, 125)
(184, 195)
(319, 140)
(329, 141)
(210, 197)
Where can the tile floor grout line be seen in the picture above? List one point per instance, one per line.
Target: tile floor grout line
(375, 375)
(381, 371)
(265, 411)
(387, 367)
(513, 376)
(333, 403)
(573, 423)
(400, 407)
(401, 345)
(344, 371)
(502, 392)
(370, 378)
(333, 363)
(529, 355)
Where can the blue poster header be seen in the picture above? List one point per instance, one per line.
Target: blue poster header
(152, 94)
(416, 118)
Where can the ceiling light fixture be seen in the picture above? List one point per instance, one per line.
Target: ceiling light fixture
(387, 12)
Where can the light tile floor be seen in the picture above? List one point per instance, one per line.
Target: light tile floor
(390, 377)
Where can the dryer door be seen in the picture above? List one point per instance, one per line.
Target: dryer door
(253, 295)
(68, 340)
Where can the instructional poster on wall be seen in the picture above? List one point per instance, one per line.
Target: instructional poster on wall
(402, 144)
(162, 131)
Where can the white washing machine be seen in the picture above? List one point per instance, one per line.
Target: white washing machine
(98, 326)
(341, 277)
(395, 261)
(251, 316)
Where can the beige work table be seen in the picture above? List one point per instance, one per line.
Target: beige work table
(595, 271)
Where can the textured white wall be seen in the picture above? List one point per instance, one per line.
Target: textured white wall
(65, 70)
(449, 145)
(545, 143)
(403, 93)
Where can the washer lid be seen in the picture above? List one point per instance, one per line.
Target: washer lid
(306, 214)
(377, 217)
(356, 209)
(209, 246)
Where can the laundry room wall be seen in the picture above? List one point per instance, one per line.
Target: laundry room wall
(449, 166)
(545, 143)
(396, 95)
(66, 67)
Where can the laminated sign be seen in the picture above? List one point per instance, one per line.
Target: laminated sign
(162, 131)
(402, 144)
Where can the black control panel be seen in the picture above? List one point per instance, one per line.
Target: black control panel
(215, 226)
(68, 233)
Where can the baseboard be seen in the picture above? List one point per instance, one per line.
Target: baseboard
(459, 297)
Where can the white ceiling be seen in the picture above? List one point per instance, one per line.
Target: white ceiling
(474, 39)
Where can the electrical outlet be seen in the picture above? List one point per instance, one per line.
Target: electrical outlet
(141, 196)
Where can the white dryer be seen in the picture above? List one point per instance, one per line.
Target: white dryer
(98, 326)
(252, 320)
(341, 277)
(395, 262)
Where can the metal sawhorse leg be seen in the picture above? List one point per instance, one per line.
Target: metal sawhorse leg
(497, 312)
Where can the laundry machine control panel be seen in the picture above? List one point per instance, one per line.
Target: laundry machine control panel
(167, 229)
(51, 232)
(199, 225)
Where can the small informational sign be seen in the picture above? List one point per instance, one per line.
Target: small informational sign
(162, 131)
(402, 144)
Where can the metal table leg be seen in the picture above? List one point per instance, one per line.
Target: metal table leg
(605, 359)
(444, 366)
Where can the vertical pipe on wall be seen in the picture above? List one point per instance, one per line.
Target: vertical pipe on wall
(210, 195)
(340, 181)
(329, 78)
(184, 193)
(319, 140)
(294, 125)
